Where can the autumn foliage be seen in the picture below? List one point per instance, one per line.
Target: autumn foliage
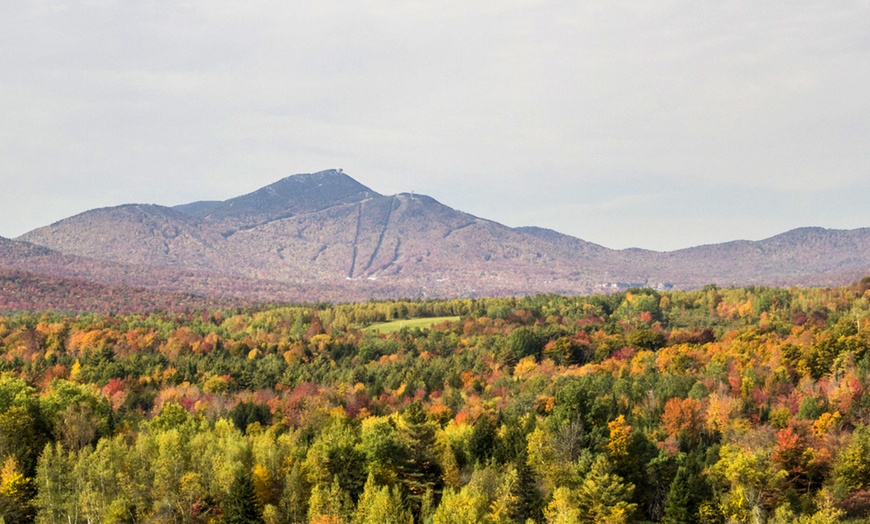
(715, 405)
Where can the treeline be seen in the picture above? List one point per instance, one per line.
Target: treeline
(24, 291)
(709, 406)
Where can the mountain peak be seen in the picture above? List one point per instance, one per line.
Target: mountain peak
(332, 183)
(292, 195)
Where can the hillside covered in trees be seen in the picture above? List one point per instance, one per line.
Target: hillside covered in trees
(325, 236)
(706, 406)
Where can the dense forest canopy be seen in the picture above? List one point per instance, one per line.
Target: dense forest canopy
(707, 406)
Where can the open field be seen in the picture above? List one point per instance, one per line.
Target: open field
(396, 325)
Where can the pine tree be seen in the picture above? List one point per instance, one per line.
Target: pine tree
(242, 506)
(604, 496)
(484, 437)
(529, 501)
(678, 502)
(421, 472)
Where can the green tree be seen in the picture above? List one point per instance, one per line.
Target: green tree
(329, 503)
(57, 494)
(336, 455)
(241, 506)
(524, 342)
(380, 505)
(293, 504)
(603, 496)
(678, 504)
(78, 412)
(467, 505)
(504, 507)
(751, 486)
(483, 439)
(385, 452)
(421, 472)
(23, 428)
(852, 469)
(169, 465)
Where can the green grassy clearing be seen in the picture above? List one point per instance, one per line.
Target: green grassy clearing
(396, 325)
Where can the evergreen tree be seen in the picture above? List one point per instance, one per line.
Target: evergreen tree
(483, 439)
(678, 503)
(604, 496)
(241, 506)
(421, 473)
(512, 449)
(529, 502)
(660, 472)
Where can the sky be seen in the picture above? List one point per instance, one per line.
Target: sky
(660, 124)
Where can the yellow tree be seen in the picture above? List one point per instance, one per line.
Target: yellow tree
(563, 508)
(750, 483)
(380, 505)
(620, 438)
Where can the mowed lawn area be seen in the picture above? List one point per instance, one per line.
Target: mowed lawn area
(396, 325)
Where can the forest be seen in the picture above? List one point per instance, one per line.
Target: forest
(717, 405)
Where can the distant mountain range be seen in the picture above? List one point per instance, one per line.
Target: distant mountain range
(325, 236)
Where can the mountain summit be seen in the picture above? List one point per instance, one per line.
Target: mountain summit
(285, 198)
(326, 235)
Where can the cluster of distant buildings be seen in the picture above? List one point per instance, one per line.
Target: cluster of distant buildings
(612, 287)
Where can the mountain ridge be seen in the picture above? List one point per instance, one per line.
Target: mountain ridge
(327, 234)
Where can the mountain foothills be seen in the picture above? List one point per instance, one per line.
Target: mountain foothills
(325, 236)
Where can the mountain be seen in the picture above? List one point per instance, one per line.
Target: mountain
(804, 256)
(285, 198)
(326, 236)
(134, 234)
(19, 257)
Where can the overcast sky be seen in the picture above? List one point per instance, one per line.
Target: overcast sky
(650, 124)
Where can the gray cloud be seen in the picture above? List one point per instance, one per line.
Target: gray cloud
(658, 125)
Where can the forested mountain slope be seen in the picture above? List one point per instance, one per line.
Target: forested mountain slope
(333, 235)
(56, 274)
(805, 256)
